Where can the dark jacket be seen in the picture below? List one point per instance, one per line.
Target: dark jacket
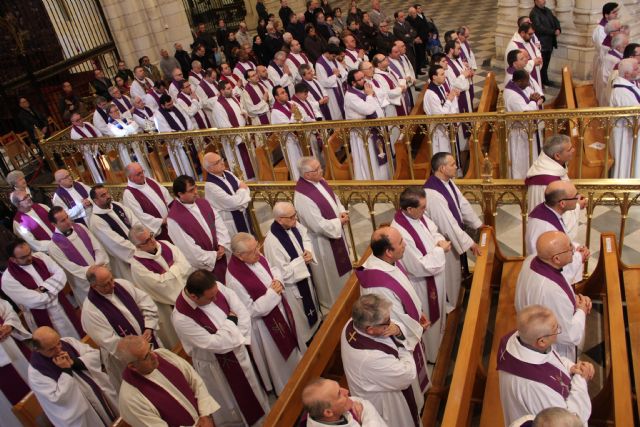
(384, 42)
(185, 61)
(404, 32)
(314, 46)
(126, 74)
(207, 61)
(262, 11)
(285, 15)
(420, 26)
(101, 87)
(30, 118)
(545, 24)
(222, 34)
(272, 44)
(297, 31)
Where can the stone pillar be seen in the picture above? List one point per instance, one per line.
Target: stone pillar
(273, 6)
(143, 27)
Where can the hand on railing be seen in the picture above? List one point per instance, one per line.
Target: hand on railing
(475, 249)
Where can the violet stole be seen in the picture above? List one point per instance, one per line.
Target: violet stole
(30, 224)
(12, 385)
(153, 265)
(146, 110)
(242, 148)
(555, 276)
(206, 88)
(84, 135)
(119, 103)
(544, 373)
(240, 218)
(362, 342)
(147, 205)
(283, 109)
(432, 290)
(337, 90)
(202, 124)
(399, 108)
(295, 60)
(114, 316)
(381, 156)
(63, 193)
(170, 120)
(41, 315)
(112, 222)
(242, 391)
(338, 246)
(196, 76)
(171, 411)
(463, 106)
(543, 213)
(256, 99)
(316, 92)
(630, 89)
(514, 87)
(70, 250)
(305, 105)
(275, 67)
(534, 71)
(281, 329)
(436, 89)
(304, 285)
(192, 227)
(541, 180)
(434, 183)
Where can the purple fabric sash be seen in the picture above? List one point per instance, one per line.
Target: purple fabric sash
(555, 276)
(544, 373)
(177, 84)
(155, 95)
(283, 108)
(432, 290)
(462, 100)
(630, 89)
(12, 385)
(337, 90)
(32, 225)
(243, 69)
(196, 76)
(603, 22)
(63, 193)
(153, 265)
(240, 217)
(511, 85)
(374, 278)
(275, 67)
(171, 121)
(201, 118)
(338, 246)
(534, 71)
(87, 126)
(41, 315)
(607, 41)
(544, 213)
(229, 110)
(206, 88)
(207, 240)
(121, 326)
(377, 140)
(305, 105)
(541, 180)
(123, 104)
(351, 56)
(256, 99)
(361, 342)
(147, 205)
(395, 70)
(46, 367)
(171, 410)
(147, 113)
(436, 89)
(113, 224)
(316, 92)
(304, 285)
(144, 83)
(242, 391)
(296, 61)
(614, 53)
(400, 110)
(242, 148)
(281, 329)
(70, 250)
(233, 79)
(435, 184)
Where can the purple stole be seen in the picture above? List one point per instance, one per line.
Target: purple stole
(283, 108)
(248, 403)
(534, 71)
(614, 53)
(407, 95)
(112, 222)
(12, 385)
(242, 148)
(304, 285)
(206, 88)
(541, 180)
(123, 104)
(338, 246)
(632, 90)
(171, 410)
(275, 67)
(147, 113)
(399, 108)
(394, 68)
(281, 329)
(116, 319)
(153, 265)
(240, 218)
(514, 87)
(543, 213)
(46, 367)
(154, 95)
(305, 105)
(171, 121)
(89, 128)
(295, 60)
(243, 69)
(351, 56)
(147, 205)
(103, 114)
(462, 100)
(545, 373)
(362, 342)
(377, 140)
(41, 315)
(197, 76)
(255, 98)
(63, 193)
(145, 85)
(229, 110)
(436, 89)
(434, 183)
(432, 290)
(373, 278)
(316, 92)
(337, 90)
(555, 276)
(231, 78)
(177, 84)
(190, 225)
(30, 224)
(69, 250)
(607, 41)
(202, 123)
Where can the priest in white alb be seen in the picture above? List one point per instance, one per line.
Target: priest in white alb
(73, 196)
(189, 103)
(288, 248)
(440, 99)
(147, 199)
(451, 212)
(207, 91)
(215, 330)
(85, 130)
(31, 221)
(284, 111)
(160, 269)
(321, 211)
(534, 375)
(625, 93)
(274, 343)
(14, 363)
(424, 261)
(330, 78)
(75, 248)
(196, 228)
(161, 388)
(256, 99)
(376, 366)
(295, 59)
(34, 282)
(66, 377)
(279, 72)
(170, 118)
(542, 282)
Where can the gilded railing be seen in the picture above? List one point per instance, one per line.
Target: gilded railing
(611, 205)
(591, 131)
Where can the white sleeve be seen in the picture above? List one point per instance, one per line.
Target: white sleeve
(151, 222)
(226, 202)
(194, 253)
(312, 219)
(324, 80)
(257, 308)
(438, 211)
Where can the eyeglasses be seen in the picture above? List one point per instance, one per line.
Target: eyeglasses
(577, 197)
(295, 214)
(572, 250)
(558, 332)
(27, 197)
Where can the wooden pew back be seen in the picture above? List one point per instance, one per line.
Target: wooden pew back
(486, 138)
(267, 171)
(30, 413)
(631, 279)
(340, 169)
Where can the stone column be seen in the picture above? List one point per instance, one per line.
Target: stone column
(273, 6)
(507, 19)
(143, 27)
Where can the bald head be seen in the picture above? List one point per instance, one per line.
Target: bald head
(557, 417)
(135, 173)
(559, 194)
(211, 159)
(387, 244)
(46, 341)
(551, 243)
(131, 347)
(315, 399)
(534, 322)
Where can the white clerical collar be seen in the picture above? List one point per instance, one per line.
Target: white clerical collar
(98, 210)
(381, 264)
(145, 254)
(443, 181)
(520, 352)
(134, 185)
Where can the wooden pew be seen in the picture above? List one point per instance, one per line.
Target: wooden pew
(421, 165)
(30, 413)
(487, 139)
(267, 171)
(340, 168)
(468, 378)
(631, 287)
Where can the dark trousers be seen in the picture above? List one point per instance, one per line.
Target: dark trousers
(421, 57)
(546, 57)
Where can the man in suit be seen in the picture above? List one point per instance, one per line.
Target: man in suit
(547, 29)
(101, 84)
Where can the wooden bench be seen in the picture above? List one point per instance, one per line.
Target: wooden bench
(631, 287)
(29, 412)
(334, 167)
(267, 170)
(486, 140)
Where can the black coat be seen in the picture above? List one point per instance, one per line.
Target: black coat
(102, 87)
(285, 15)
(221, 35)
(420, 26)
(207, 61)
(30, 118)
(545, 24)
(184, 60)
(262, 12)
(384, 42)
(297, 31)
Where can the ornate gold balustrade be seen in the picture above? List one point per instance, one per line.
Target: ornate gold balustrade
(501, 203)
(590, 130)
